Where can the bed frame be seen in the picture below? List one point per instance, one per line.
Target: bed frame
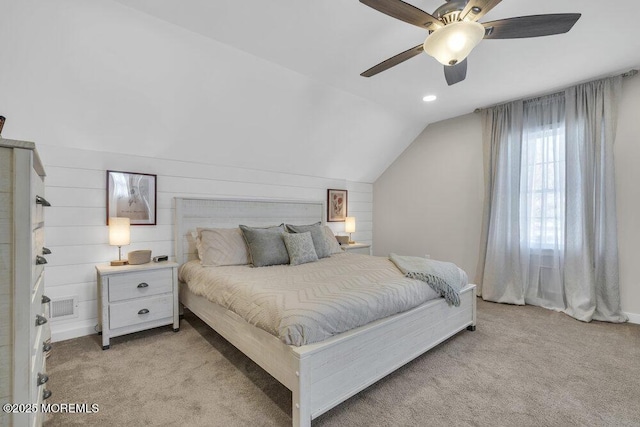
(320, 375)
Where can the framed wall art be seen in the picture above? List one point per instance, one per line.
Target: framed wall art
(131, 195)
(336, 205)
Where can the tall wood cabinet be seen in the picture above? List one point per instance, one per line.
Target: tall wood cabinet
(24, 331)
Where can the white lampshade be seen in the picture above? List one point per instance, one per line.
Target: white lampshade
(454, 42)
(119, 234)
(350, 224)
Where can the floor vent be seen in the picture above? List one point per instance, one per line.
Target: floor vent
(64, 308)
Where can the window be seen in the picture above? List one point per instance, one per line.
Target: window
(543, 183)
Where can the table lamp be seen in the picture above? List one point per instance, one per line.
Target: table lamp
(350, 227)
(119, 235)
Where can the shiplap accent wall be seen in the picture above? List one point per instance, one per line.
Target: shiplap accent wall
(76, 230)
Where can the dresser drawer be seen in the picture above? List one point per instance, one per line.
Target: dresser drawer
(36, 297)
(37, 242)
(140, 310)
(37, 189)
(37, 365)
(37, 338)
(141, 284)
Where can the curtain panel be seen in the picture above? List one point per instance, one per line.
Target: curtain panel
(549, 233)
(499, 274)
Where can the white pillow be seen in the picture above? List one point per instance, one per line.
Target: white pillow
(332, 242)
(221, 246)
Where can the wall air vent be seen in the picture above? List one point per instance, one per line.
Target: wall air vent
(64, 308)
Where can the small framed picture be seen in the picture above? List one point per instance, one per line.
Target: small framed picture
(336, 205)
(131, 195)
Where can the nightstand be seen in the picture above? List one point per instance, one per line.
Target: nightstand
(134, 298)
(359, 248)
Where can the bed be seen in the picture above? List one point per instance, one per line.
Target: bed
(321, 374)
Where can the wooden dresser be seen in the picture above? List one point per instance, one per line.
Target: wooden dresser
(24, 331)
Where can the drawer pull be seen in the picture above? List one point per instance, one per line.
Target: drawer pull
(40, 320)
(143, 285)
(144, 311)
(46, 394)
(46, 347)
(40, 260)
(46, 251)
(45, 299)
(42, 378)
(42, 201)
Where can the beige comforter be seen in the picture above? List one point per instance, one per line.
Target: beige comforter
(308, 303)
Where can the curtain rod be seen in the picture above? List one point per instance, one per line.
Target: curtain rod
(629, 73)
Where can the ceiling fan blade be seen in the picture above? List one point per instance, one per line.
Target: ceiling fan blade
(455, 73)
(404, 12)
(393, 61)
(476, 9)
(530, 26)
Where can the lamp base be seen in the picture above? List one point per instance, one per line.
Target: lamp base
(119, 262)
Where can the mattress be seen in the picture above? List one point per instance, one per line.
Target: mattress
(311, 302)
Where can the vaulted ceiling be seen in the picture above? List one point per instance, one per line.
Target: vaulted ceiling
(272, 85)
(334, 41)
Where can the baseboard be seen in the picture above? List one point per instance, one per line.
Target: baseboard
(68, 331)
(633, 318)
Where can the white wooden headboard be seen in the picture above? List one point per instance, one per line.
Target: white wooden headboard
(228, 213)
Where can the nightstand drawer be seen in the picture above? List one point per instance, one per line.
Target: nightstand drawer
(141, 284)
(363, 251)
(141, 310)
(358, 248)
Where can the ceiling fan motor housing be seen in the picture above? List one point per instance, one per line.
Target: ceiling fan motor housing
(450, 11)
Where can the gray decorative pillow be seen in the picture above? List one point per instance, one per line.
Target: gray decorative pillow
(300, 248)
(332, 242)
(317, 235)
(266, 246)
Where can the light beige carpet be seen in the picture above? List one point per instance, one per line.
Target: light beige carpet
(523, 366)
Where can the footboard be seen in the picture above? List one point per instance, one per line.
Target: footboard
(331, 372)
(322, 375)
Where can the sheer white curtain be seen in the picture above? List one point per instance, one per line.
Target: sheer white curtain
(500, 274)
(591, 246)
(542, 200)
(549, 234)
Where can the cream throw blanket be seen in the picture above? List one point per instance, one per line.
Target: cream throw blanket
(445, 278)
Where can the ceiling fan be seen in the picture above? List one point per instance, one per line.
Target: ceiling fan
(454, 31)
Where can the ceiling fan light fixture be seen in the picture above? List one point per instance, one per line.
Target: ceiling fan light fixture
(454, 42)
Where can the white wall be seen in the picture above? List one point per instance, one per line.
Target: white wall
(75, 224)
(101, 76)
(429, 201)
(100, 86)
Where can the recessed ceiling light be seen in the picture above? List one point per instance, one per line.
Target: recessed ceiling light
(429, 98)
